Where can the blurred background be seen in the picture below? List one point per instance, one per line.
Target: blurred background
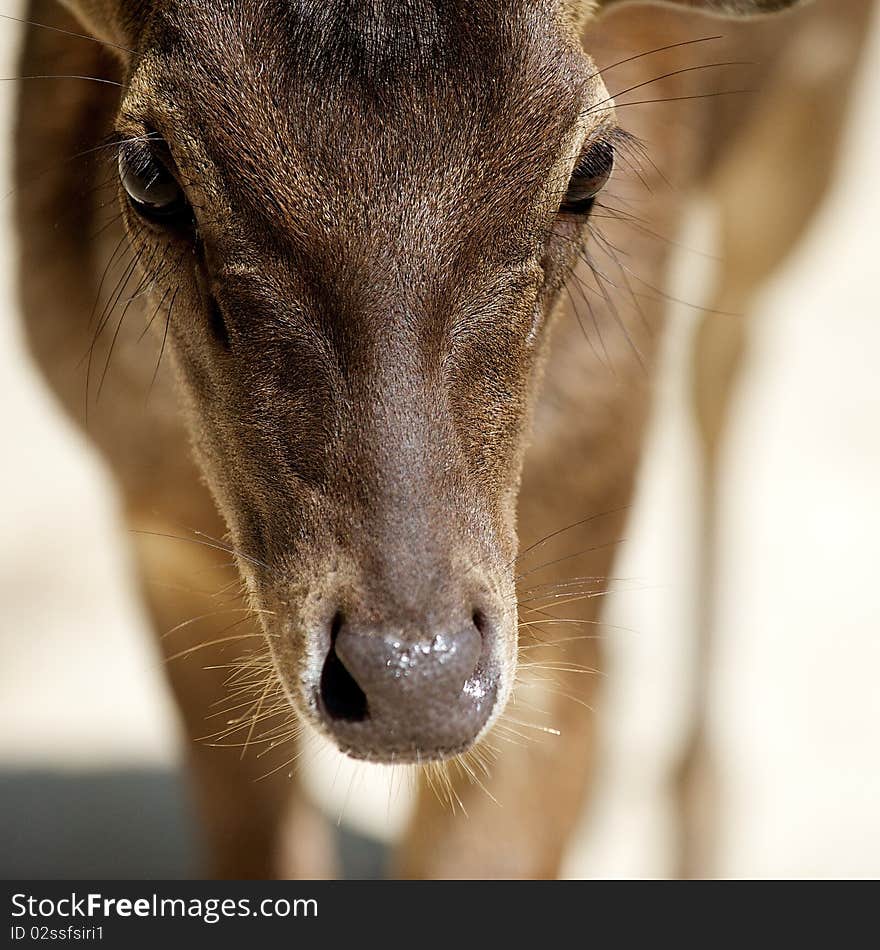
(89, 743)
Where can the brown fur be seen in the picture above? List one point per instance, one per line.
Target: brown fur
(378, 247)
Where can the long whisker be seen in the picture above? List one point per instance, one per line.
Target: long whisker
(97, 79)
(652, 52)
(675, 72)
(57, 29)
(201, 539)
(576, 524)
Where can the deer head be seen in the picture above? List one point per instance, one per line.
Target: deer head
(360, 216)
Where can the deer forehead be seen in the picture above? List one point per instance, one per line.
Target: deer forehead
(380, 39)
(399, 113)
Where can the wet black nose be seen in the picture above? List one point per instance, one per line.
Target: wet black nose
(393, 697)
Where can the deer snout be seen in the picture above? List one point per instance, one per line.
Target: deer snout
(394, 696)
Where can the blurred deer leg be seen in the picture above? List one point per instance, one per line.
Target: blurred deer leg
(256, 821)
(719, 350)
(781, 166)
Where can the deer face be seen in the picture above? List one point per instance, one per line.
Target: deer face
(357, 218)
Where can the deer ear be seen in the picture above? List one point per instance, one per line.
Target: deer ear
(731, 8)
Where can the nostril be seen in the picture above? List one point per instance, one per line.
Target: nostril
(340, 693)
(484, 627)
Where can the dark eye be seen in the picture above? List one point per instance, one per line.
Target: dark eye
(590, 176)
(151, 188)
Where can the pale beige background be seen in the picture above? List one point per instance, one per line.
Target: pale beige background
(796, 707)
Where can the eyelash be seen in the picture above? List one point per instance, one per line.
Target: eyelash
(143, 169)
(591, 173)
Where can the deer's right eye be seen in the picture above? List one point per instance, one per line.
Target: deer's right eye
(152, 190)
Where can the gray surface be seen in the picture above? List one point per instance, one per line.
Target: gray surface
(116, 824)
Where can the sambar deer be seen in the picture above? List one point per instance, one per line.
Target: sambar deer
(302, 300)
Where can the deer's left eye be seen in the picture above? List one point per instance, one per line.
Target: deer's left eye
(590, 176)
(151, 188)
